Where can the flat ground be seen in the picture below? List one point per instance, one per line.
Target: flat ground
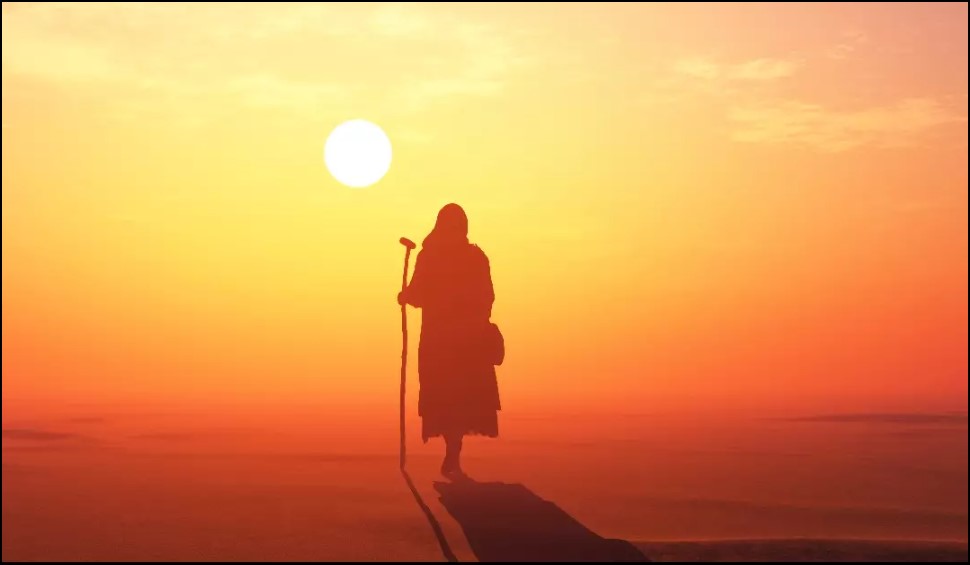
(114, 486)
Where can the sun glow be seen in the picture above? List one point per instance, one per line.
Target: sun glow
(358, 153)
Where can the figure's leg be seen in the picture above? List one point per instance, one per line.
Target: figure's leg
(452, 463)
(456, 441)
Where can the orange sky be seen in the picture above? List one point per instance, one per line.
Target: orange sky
(686, 205)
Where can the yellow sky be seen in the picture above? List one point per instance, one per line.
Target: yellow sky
(682, 204)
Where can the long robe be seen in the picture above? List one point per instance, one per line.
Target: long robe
(452, 285)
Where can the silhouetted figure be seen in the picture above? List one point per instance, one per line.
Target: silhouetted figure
(452, 285)
(507, 522)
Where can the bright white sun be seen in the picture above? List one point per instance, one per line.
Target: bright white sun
(357, 153)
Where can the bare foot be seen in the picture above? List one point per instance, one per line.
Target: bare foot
(448, 468)
(456, 475)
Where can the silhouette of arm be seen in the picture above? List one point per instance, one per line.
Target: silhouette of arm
(417, 290)
(485, 295)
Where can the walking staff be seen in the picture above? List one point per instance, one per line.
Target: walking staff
(409, 245)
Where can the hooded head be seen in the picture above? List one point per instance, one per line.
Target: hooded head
(451, 228)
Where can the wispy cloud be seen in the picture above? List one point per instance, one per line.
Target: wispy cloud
(849, 43)
(300, 58)
(758, 109)
(167, 436)
(399, 21)
(492, 59)
(87, 420)
(762, 69)
(908, 418)
(698, 67)
(30, 434)
(703, 76)
(830, 130)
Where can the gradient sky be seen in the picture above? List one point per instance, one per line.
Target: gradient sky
(750, 206)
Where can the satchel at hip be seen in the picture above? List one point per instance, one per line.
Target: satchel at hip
(494, 344)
